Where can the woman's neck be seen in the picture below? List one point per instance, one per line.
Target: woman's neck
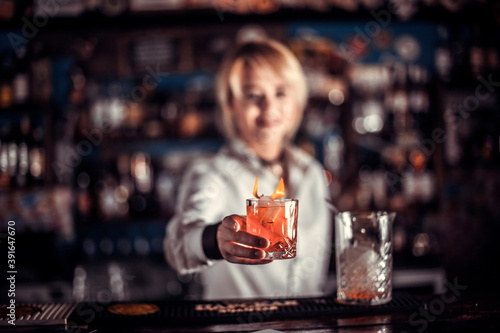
(268, 152)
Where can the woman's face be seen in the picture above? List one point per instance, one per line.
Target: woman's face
(266, 109)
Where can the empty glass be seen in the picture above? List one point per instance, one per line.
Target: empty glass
(363, 249)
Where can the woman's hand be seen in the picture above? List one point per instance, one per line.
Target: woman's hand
(230, 239)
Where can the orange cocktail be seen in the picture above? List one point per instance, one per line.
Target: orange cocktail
(275, 220)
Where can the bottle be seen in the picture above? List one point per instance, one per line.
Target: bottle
(37, 154)
(21, 81)
(6, 91)
(23, 153)
(12, 154)
(4, 156)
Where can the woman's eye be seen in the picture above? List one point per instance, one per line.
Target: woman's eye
(281, 94)
(254, 97)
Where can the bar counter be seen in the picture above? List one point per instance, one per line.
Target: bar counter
(452, 311)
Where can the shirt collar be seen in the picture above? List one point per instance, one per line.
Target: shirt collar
(294, 158)
(239, 150)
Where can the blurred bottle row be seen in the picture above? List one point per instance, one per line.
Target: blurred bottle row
(111, 8)
(22, 151)
(105, 134)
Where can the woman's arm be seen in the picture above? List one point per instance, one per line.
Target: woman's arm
(202, 231)
(198, 205)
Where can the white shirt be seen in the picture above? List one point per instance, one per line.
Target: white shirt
(215, 187)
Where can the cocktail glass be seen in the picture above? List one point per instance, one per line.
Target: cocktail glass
(275, 220)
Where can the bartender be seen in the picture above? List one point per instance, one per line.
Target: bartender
(261, 93)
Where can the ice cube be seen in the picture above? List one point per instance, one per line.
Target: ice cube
(266, 201)
(265, 198)
(358, 259)
(360, 267)
(270, 210)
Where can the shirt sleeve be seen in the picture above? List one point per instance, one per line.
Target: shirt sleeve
(199, 203)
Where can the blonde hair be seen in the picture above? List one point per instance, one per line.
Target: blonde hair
(261, 53)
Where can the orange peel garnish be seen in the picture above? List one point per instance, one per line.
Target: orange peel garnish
(279, 192)
(255, 189)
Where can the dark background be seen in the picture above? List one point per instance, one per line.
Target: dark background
(102, 106)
